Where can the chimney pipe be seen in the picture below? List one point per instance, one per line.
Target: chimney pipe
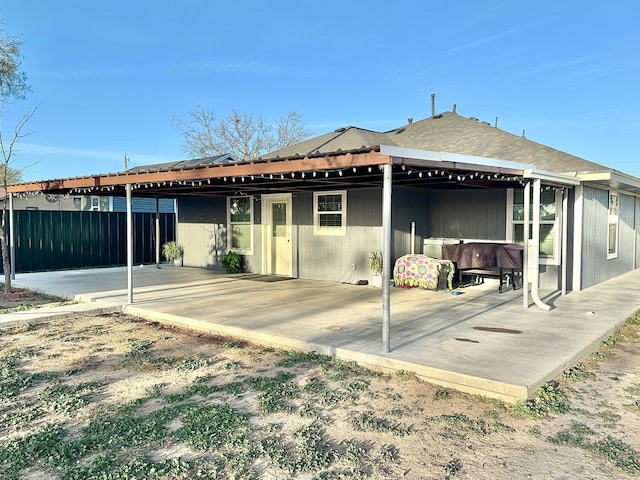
(454, 108)
(433, 105)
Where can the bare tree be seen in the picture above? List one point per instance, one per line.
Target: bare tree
(243, 135)
(13, 87)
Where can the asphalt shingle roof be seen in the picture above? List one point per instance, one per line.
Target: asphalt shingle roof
(450, 132)
(447, 132)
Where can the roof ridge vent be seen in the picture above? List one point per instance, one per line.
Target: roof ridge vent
(474, 119)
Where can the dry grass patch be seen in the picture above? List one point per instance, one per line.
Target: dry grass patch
(115, 397)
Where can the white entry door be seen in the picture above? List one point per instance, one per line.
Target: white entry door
(278, 246)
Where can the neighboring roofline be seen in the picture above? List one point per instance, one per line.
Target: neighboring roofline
(221, 159)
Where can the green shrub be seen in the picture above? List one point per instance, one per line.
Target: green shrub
(232, 262)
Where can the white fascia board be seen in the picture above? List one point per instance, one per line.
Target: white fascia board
(418, 154)
(627, 180)
(603, 176)
(552, 177)
(612, 178)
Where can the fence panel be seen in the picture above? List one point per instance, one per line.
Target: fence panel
(57, 240)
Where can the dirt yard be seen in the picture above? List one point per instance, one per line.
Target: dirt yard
(116, 397)
(23, 299)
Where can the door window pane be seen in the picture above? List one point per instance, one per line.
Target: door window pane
(279, 219)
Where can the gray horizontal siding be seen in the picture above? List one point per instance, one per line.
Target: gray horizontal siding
(145, 205)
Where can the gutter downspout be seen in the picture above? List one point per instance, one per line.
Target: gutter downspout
(525, 239)
(535, 243)
(386, 257)
(157, 232)
(565, 209)
(635, 233)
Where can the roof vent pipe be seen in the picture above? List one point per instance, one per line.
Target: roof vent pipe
(523, 133)
(433, 105)
(409, 120)
(496, 124)
(454, 108)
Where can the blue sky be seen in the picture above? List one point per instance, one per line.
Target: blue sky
(111, 75)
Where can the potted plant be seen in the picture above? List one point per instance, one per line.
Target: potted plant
(375, 266)
(173, 252)
(232, 262)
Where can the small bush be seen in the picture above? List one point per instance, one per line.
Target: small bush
(232, 262)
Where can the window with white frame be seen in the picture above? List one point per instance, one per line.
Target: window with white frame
(550, 201)
(330, 213)
(612, 237)
(240, 219)
(95, 204)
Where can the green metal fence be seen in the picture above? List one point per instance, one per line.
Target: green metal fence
(58, 240)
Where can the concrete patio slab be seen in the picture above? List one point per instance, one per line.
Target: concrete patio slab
(481, 342)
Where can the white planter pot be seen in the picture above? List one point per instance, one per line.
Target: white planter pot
(376, 280)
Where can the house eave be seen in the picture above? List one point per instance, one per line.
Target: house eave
(454, 158)
(611, 180)
(415, 157)
(552, 178)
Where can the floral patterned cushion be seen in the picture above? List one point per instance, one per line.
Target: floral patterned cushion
(423, 272)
